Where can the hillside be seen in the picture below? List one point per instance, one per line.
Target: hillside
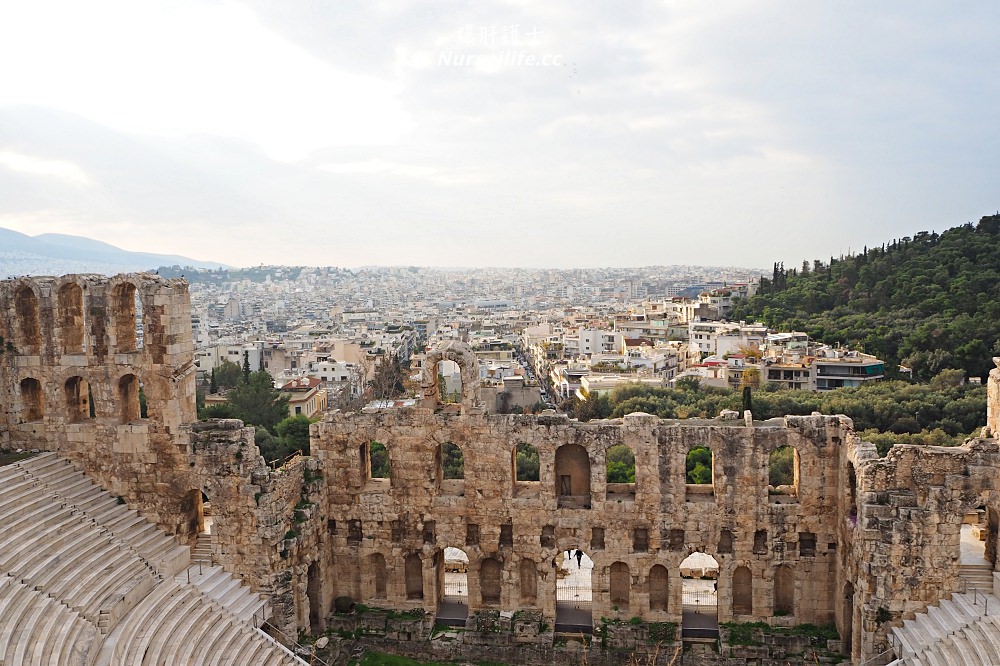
(929, 302)
(55, 254)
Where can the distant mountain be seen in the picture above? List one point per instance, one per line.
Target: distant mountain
(56, 254)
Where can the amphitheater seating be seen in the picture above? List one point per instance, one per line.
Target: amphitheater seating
(964, 629)
(84, 581)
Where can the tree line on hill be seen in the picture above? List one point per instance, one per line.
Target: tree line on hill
(929, 303)
(944, 411)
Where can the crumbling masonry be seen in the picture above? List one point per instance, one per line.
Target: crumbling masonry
(857, 540)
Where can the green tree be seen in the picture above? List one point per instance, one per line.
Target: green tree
(781, 466)
(620, 464)
(527, 462)
(294, 432)
(379, 460)
(228, 375)
(246, 367)
(699, 465)
(257, 402)
(453, 461)
(387, 381)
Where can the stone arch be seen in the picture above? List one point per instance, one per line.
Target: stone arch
(29, 327)
(413, 570)
(619, 472)
(468, 364)
(659, 588)
(490, 581)
(32, 400)
(77, 393)
(128, 399)
(742, 591)
(783, 474)
(123, 313)
(619, 584)
(784, 590)
(72, 327)
(572, 476)
(379, 574)
(528, 574)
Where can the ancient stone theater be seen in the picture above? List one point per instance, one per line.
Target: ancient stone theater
(140, 535)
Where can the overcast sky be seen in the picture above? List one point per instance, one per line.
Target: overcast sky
(520, 133)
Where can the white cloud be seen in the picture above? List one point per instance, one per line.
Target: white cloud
(38, 166)
(182, 68)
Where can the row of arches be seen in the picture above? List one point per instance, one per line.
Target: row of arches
(452, 569)
(77, 400)
(72, 320)
(573, 471)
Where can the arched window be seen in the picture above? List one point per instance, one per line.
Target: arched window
(128, 399)
(32, 400)
(784, 591)
(29, 340)
(620, 581)
(658, 588)
(489, 581)
(528, 570)
(123, 305)
(71, 318)
(573, 476)
(77, 392)
(699, 475)
(414, 571)
(620, 468)
(783, 475)
(742, 591)
(374, 459)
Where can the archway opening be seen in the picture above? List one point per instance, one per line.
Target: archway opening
(124, 300)
(783, 475)
(449, 381)
(699, 475)
(32, 400)
(314, 593)
(574, 591)
(975, 538)
(413, 571)
(620, 473)
(451, 469)
(378, 575)
(77, 392)
(699, 596)
(525, 471)
(573, 477)
(453, 587)
(128, 399)
(26, 307)
(71, 321)
(848, 620)
(528, 575)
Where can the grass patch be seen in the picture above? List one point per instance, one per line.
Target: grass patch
(382, 659)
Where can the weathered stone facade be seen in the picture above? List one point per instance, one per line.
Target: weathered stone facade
(857, 540)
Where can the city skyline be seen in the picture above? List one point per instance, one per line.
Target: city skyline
(501, 134)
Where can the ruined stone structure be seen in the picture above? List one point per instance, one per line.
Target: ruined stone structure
(857, 540)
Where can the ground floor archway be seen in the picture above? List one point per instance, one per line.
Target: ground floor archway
(699, 596)
(453, 587)
(574, 591)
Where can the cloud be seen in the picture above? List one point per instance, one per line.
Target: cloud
(66, 171)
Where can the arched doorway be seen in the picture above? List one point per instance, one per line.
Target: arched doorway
(699, 596)
(573, 476)
(574, 591)
(453, 587)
